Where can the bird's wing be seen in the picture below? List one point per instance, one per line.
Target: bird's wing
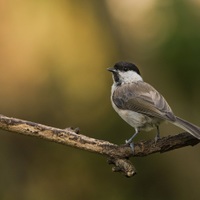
(142, 98)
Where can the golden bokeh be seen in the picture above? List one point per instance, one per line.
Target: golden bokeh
(53, 60)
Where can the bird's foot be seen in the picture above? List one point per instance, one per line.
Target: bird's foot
(131, 144)
(157, 135)
(156, 139)
(130, 140)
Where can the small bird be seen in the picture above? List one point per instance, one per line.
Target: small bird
(140, 105)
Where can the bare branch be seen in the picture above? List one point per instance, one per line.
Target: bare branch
(118, 155)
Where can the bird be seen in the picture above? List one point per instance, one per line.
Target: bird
(140, 104)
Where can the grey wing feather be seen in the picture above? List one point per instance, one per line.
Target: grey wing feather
(143, 98)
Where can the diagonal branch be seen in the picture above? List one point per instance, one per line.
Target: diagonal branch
(118, 155)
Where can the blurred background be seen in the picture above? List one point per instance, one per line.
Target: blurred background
(53, 60)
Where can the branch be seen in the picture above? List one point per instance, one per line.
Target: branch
(117, 155)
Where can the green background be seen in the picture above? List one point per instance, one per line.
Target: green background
(53, 60)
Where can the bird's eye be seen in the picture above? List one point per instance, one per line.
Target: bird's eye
(125, 69)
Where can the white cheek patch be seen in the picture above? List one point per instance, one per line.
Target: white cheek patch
(129, 77)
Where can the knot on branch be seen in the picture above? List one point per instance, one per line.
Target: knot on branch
(122, 165)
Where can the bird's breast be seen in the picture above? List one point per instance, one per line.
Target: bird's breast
(137, 120)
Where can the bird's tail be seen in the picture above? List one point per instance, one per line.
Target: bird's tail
(187, 126)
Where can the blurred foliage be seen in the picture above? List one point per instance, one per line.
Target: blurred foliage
(53, 61)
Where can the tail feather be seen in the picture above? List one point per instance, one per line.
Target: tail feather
(189, 127)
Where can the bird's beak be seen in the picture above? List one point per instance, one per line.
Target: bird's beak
(111, 69)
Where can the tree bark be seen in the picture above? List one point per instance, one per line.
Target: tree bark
(117, 154)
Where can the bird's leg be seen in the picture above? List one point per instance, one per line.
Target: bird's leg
(130, 140)
(157, 135)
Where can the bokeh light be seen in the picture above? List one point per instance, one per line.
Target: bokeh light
(53, 61)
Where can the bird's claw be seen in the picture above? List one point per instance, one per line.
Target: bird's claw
(156, 139)
(131, 144)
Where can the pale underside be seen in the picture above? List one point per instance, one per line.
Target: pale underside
(140, 105)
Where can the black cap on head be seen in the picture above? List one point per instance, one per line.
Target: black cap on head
(126, 66)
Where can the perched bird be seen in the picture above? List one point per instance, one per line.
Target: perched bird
(140, 105)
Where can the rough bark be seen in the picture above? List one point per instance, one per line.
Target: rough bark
(118, 155)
